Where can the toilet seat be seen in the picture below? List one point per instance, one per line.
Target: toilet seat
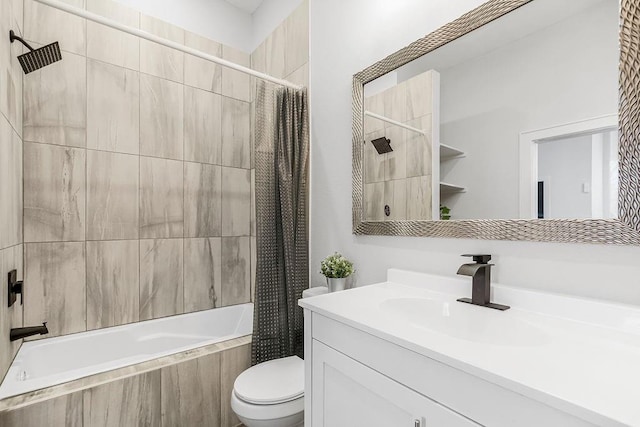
(278, 411)
(270, 383)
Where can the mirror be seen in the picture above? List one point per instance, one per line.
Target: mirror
(498, 156)
(517, 119)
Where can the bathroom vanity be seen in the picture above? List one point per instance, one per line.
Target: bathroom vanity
(406, 353)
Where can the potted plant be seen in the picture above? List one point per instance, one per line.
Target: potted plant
(336, 269)
(445, 213)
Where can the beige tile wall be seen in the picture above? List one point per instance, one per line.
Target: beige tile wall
(400, 179)
(192, 393)
(11, 80)
(136, 164)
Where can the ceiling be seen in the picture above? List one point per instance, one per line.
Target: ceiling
(248, 6)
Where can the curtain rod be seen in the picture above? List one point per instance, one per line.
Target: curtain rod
(147, 36)
(394, 122)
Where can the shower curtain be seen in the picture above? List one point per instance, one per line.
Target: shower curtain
(282, 273)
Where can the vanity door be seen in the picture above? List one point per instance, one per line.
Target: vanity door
(347, 393)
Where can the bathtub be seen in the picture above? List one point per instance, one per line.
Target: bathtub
(52, 361)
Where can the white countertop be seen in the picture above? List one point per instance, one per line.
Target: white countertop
(577, 355)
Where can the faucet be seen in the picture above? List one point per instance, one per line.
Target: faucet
(18, 333)
(480, 272)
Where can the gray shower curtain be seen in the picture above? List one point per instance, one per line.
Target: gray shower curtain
(282, 273)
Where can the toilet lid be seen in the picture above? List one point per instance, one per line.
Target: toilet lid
(275, 381)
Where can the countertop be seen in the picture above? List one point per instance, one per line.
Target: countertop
(578, 355)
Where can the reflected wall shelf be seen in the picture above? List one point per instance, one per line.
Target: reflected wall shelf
(446, 188)
(448, 152)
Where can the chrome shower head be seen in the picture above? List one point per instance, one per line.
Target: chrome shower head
(36, 58)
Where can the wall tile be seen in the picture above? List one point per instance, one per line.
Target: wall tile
(61, 411)
(232, 363)
(236, 270)
(275, 51)
(108, 44)
(112, 283)
(236, 133)
(374, 104)
(202, 274)
(419, 148)
(161, 198)
(44, 25)
(202, 200)
(54, 193)
(11, 75)
(395, 196)
(55, 99)
(112, 196)
(10, 317)
(161, 285)
(395, 102)
(396, 161)
(258, 58)
(419, 192)
(300, 76)
(202, 126)
(133, 401)
(18, 14)
(419, 95)
(374, 201)
(234, 83)
(296, 28)
(199, 72)
(158, 60)
(236, 202)
(10, 186)
(374, 163)
(191, 392)
(161, 123)
(55, 281)
(113, 108)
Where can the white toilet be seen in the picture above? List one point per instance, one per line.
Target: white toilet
(271, 394)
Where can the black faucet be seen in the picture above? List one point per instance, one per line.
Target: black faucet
(480, 272)
(18, 333)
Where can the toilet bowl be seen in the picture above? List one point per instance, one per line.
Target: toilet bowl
(271, 394)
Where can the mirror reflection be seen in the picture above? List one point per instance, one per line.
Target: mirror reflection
(516, 119)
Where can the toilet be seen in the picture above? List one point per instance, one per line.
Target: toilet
(271, 394)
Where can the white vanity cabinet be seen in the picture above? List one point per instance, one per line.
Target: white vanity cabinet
(355, 378)
(347, 393)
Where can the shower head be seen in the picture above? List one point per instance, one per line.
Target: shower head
(37, 58)
(383, 145)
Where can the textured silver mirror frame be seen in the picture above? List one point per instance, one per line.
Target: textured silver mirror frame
(622, 231)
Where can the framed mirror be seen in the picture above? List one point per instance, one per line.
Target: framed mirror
(517, 121)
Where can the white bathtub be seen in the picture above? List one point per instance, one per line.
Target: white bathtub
(48, 362)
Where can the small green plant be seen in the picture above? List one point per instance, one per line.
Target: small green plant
(445, 213)
(336, 267)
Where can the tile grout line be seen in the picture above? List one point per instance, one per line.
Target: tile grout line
(133, 154)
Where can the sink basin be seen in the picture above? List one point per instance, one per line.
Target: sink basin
(465, 322)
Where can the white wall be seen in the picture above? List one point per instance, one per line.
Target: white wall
(268, 16)
(215, 19)
(345, 38)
